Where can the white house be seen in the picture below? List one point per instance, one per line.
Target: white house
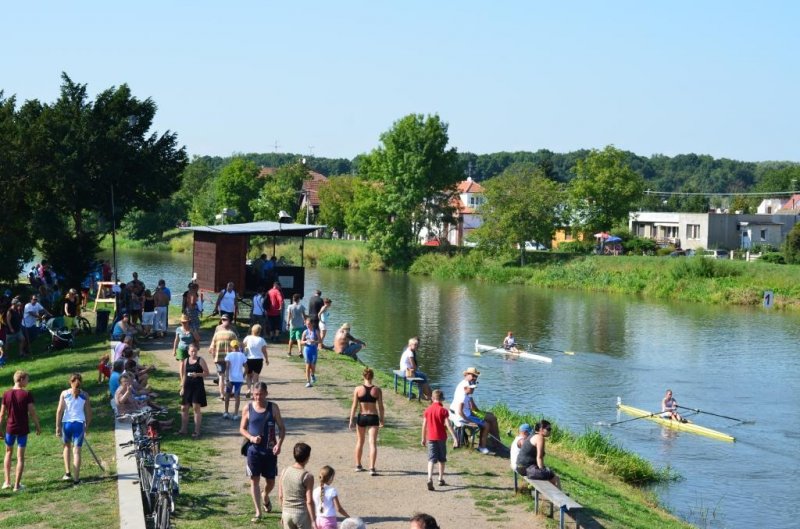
(769, 206)
(466, 203)
(712, 230)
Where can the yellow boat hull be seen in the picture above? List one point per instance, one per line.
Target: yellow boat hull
(675, 425)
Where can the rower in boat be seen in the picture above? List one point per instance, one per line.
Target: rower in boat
(669, 408)
(510, 344)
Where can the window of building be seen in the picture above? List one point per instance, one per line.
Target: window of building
(763, 235)
(692, 231)
(671, 232)
(475, 201)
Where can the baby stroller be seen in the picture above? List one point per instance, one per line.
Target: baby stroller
(60, 338)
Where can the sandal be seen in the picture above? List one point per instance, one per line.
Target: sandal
(268, 505)
(256, 518)
(195, 435)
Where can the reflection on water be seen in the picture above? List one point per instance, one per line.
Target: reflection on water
(737, 362)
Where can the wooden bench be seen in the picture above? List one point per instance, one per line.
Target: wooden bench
(553, 494)
(408, 382)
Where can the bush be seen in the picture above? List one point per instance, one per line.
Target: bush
(773, 257)
(333, 261)
(702, 267)
(639, 246)
(579, 247)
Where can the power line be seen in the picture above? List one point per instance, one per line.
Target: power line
(688, 194)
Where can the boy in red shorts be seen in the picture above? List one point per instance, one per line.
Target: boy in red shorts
(18, 406)
(435, 425)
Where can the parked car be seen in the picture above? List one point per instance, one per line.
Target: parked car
(682, 253)
(717, 254)
(533, 246)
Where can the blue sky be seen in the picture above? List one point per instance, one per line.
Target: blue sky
(713, 77)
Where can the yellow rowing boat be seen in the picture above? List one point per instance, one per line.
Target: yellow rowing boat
(675, 425)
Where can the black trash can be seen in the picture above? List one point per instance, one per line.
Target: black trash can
(102, 321)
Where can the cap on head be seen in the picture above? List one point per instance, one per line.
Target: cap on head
(185, 319)
(471, 371)
(525, 428)
(345, 326)
(225, 317)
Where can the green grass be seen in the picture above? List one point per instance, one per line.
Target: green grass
(694, 279)
(47, 501)
(323, 253)
(174, 240)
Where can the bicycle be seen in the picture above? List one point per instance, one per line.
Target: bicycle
(166, 485)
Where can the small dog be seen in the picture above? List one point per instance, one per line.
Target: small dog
(104, 368)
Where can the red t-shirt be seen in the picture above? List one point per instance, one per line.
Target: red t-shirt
(16, 403)
(275, 302)
(435, 417)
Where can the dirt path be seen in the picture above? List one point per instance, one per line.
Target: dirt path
(318, 417)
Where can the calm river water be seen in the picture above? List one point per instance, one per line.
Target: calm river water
(738, 362)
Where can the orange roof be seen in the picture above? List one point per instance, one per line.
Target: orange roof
(470, 186)
(791, 205)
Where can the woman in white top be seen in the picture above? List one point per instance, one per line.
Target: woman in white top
(326, 500)
(257, 356)
(72, 424)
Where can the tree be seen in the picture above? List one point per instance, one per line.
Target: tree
(79, 154)
(280, 192)
(235, 188)
(521, 205)
(604, 189)
(195, 199)
(336, 196)
(16, 240)
(791, 248)
(413, 175)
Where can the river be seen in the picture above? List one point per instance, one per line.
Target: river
(732, 361)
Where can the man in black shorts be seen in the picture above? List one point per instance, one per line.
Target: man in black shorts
(260, 420)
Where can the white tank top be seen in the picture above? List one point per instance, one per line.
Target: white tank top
(74, 407)
(228, 301)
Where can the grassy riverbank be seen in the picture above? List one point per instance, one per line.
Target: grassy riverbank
(173, 241)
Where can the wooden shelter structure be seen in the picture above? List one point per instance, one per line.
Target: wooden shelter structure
(220, 256)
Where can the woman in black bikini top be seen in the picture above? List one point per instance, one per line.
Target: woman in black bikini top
(368, 399)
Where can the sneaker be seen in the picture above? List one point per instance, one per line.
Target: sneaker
(430, 485)
(442, 483)
(19, 488)
(6, 486)
(359, 468)
(226, 415)
(66, 477)
(308, 385)
(373, 472)
(76, 482)
(313, 379)
(483, 450)
(236, 417)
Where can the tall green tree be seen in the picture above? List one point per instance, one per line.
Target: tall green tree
(413, 175)
(336, 196)
(604, 190)
(195, 198)
(235, 187)
(522, 204)
(280, 191)
(16, 240)
(79, 153)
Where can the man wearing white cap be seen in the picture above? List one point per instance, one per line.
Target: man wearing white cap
(471, 375)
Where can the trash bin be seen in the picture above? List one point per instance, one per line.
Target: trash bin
(102, 321)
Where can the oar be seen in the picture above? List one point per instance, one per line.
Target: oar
(96, 459)
(540, 348)
(478, 353)
(697, 410)
(629, 420)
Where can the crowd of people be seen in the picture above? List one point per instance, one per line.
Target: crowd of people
(238, 365)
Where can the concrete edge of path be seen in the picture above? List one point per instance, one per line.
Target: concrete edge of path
(131, 510)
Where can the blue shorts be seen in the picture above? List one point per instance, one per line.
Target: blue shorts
(261, 462)
(21, 440)
(72, 433)
(477, 420)
(234, 388)
(310, 355)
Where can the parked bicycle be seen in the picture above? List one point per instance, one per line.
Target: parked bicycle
(159, 477)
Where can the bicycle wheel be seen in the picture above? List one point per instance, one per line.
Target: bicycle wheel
(146, 483)
(162, 519)
(84, 325)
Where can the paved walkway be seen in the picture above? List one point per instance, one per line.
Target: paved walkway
(387, 501)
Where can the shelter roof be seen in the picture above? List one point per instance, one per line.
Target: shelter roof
(265, 227)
